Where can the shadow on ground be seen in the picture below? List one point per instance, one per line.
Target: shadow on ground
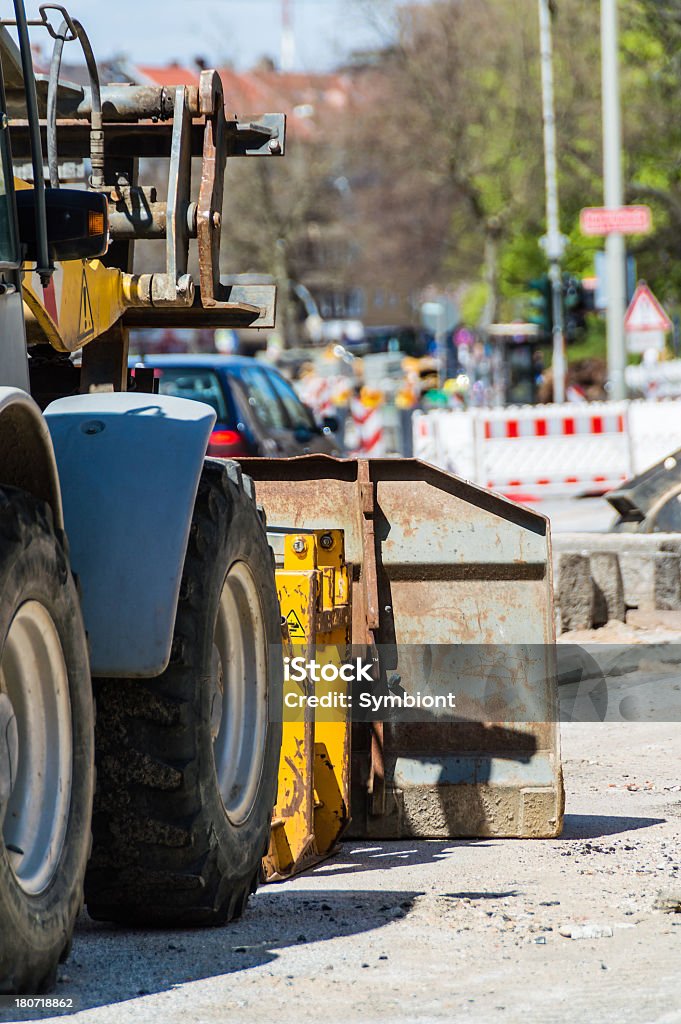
(111, 964)
(596, 826)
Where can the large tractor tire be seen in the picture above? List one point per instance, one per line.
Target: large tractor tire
(188, 762)
(46, 747)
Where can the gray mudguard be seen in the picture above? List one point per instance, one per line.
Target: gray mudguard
(129, 466)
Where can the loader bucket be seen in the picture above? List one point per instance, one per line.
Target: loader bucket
(442, 571)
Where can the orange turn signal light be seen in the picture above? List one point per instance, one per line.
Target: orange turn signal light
(95, 222)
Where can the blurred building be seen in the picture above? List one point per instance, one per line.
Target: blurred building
(324, 251)
(333, 277)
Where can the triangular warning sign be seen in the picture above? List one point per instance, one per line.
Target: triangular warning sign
(645, 313)
(86, 323)
(295, 627)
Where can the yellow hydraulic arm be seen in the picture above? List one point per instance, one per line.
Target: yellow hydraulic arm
(82, 301)
(313, 806)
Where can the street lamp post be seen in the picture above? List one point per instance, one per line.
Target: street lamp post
(614, 197)
(288, 39)
(555, 242)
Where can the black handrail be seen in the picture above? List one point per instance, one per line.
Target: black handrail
(96, 134)
(45, 267)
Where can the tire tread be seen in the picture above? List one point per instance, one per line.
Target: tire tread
(155, 859)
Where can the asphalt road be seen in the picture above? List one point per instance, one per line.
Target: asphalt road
(426, 932)
(574, 515)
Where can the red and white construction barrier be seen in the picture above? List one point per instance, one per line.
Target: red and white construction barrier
(656, 380)
(532, 452)
(557, 450)
(367, 430)
(318, 393)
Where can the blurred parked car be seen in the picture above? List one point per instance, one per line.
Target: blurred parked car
(258, 412)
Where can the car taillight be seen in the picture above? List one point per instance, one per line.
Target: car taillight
(227, 444)
(225, 438)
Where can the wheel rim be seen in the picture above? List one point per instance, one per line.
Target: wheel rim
(239, 693)
(38, 747)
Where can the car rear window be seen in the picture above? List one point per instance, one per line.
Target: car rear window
(299, 417)
(197, 384)
(262, 398)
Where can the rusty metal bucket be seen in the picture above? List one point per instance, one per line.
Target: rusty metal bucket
(440, 566)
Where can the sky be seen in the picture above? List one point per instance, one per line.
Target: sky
(222, 31)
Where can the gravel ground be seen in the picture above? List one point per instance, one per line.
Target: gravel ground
(420, 932)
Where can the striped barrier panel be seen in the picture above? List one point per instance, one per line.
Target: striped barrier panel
(532, 452)
(447, 440)
(368, 429)
(655, 431)
(545, 451)
(318, 394)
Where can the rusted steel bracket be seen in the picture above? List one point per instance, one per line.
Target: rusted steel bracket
(263, 138)
(251, 304)
(259, 135)
(175, 287)
(367, 503)
(209, 219)
(177, 124)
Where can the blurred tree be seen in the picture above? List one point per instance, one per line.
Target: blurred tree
(443, 152)
(279, 216)
(651, 45)
(434, 174)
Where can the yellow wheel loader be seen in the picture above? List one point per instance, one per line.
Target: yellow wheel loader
(138, 575)
(162, 602)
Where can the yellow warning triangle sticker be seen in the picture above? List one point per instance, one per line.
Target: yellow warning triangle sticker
(86, 323)
(295, 627)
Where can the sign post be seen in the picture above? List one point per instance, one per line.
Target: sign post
(646, 322)
(615, 221)
(614, 195)
(440, 315)
(555, 241)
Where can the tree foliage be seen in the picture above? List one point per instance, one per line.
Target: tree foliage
(462, 115)
(442, 154)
